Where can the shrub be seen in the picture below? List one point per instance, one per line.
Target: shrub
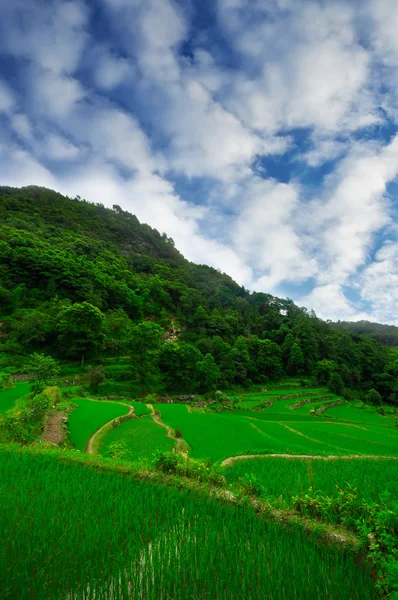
(167, 462)
(373, 397)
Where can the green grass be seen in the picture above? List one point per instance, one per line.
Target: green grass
(9, 396)
(372, 478)
(136, 439)
(72, 532)
(90, 416)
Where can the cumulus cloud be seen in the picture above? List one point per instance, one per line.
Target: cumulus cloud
(284, 112)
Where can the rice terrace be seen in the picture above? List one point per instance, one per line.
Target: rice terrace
(166, 434)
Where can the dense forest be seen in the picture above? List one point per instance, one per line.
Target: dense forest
(81, 282)
(385, 334)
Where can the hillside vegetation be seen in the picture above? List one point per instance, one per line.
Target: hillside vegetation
(85, 283)
(164, 433)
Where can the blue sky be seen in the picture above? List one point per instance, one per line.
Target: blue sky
(261, 136)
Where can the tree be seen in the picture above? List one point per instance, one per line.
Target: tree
(269, 362)
(373, 397)
(296, 360)
(117, 326)
(336, 384)
(80, 329)
(324, 370)
(43, 368)
(208, 373)
(179, 366)
(144, 344)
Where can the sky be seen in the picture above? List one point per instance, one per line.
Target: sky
(261, 135)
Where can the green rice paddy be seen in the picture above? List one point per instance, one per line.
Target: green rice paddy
(282, 477)
(88, 417)
(72, 532)
(9, 396)
(136, 439)
(276, 429)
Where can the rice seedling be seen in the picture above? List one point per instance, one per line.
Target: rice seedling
(88, 417)
(214, 436)
(374, 479)
(358, 415)
(70, 532)
(136, 439)
(9, 396)
(352, 439)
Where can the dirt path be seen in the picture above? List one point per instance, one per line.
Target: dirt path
(180, 443)
(230, 461)
(90, 443)
(54, 430)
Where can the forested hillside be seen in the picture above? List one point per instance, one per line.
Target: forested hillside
(85, 283)
(385, 334)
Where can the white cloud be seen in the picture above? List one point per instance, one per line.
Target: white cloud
(329, 302)
(59, 148)
(110, 71)
(378, 283)
(355, 209)
(54, 38)
(7, 99)
(138, 113)
(265, 235)
(21, 124)
(311, 67)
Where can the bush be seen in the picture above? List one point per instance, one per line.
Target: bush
(373, 397)
(177, 464)
(24, 423)
(167, 462)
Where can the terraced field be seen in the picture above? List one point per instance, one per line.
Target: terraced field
(89, 416)
(374, 479)
(109, 537)
(279, 429)
(136, 439)
(9, 396)
(358, 415)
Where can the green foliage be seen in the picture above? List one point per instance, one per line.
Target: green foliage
(80, 330)
(5, 381)
(373, 397)
(80, 281)
(296, 360)
(42, 370)
(144, 344)
(324, 370)
(23, 424)
(336, 384)
(167, 462)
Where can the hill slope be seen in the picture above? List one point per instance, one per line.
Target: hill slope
(80, 280)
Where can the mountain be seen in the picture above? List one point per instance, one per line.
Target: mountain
(81, 281)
